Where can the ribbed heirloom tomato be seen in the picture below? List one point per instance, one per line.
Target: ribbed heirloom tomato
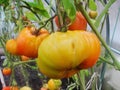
(27, 42)
(62, 54)
(79, 23)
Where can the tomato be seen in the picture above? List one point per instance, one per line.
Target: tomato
(79, 23)
(43, 88)
(24, 58)
(11, 46)
(93, 14)
(6, 88)
(27, 42)
(7, 71)
(62, 54)
(25, 88)
(14, 88)
(54, 84)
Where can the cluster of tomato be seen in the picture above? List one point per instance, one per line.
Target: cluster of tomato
(59, 54)
(16, 88)
(52, 84)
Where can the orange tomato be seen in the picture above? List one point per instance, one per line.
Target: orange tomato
(6, 71)
(24, 58)
(14, 88)
(11, 46)
(79, 23)
(62, 54)
(27, 42)
(43, 88)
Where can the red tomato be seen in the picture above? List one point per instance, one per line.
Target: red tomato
(6, 88)
(79, 23)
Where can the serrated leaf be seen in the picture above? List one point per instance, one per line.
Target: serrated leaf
(39, 8)
(69, 8)
(92, 5)
(5, 62)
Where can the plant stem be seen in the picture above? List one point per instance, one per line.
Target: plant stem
(59, 13)
(50, 19)
(105, 10)
(103, 59)
(115, 61)
(22, 62)
(81, 81)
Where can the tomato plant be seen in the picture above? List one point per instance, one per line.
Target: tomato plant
(7, 71)
(67, 53)
(62, 53)
(79, 23)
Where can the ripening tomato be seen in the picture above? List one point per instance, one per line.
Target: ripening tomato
(14, 88)
(11, 46)
(43, 88)
(61, 54)
(54, 84)
(24, 58)
(27, 42)
(93, 14)
(6, 71)
(6, 88)
(25, 88)
(79, 23)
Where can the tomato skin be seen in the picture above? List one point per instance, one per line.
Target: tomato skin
(61, 54)
(79, 23)
(7, 71)
(25, 88)
(11, 46)
(27, 42)
(54, 84)
(14, 88)
(43, 88)
(6, 88)
(94, 54)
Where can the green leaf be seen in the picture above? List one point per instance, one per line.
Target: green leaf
(39, 8)
(5, 63)
(69, 8)
(92, 5)
(31, 16)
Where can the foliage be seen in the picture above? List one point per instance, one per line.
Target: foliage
(19, 14)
